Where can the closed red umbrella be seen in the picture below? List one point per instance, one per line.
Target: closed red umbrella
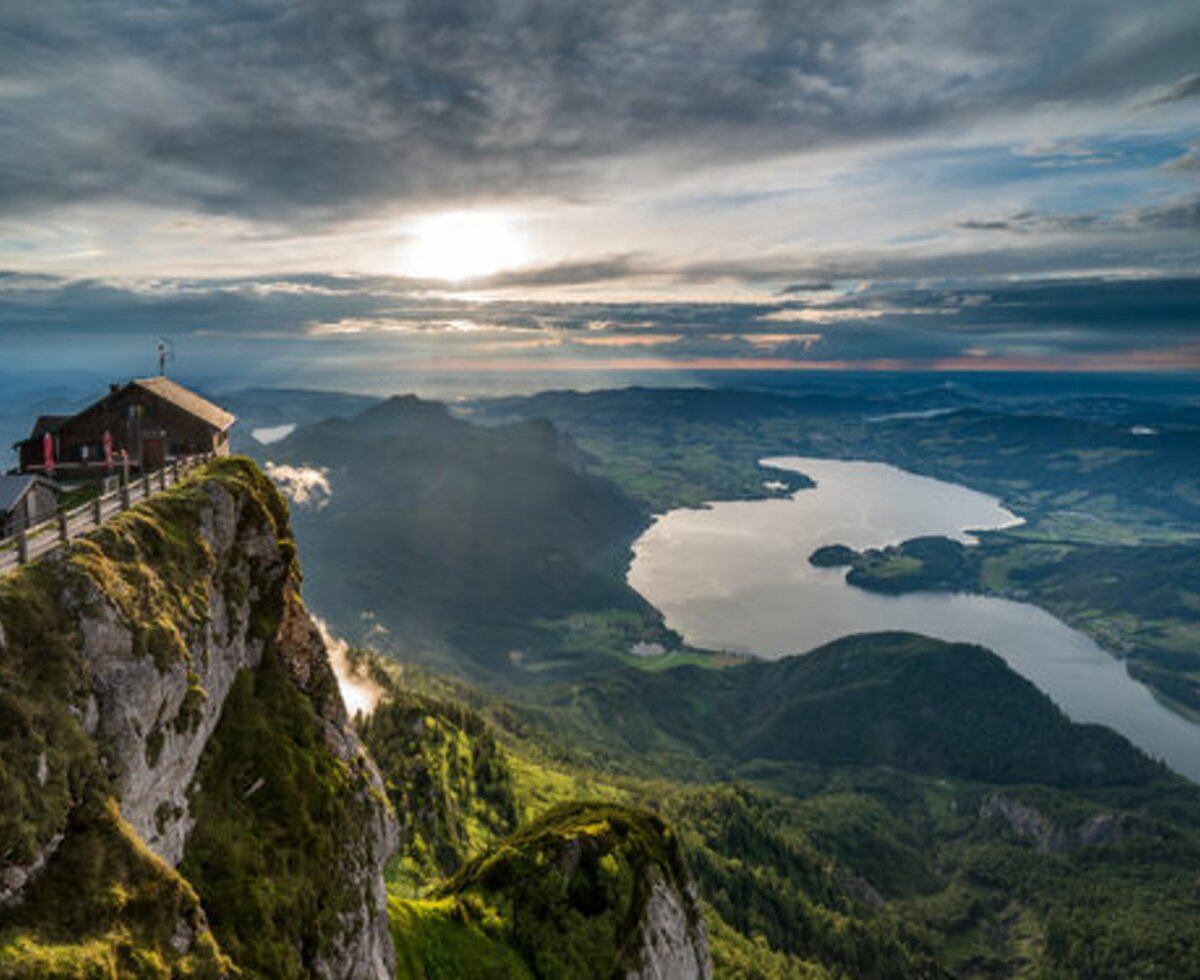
(48, 452)
(108, 453)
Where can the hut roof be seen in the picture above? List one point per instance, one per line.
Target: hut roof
(47, 423)
(188, 401)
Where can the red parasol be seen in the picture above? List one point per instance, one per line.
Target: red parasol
(48, 452)
(108, 453)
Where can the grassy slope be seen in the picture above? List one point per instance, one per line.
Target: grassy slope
(275, 814)
(447, 779)
(881, 699)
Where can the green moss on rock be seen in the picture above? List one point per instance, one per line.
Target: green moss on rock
(191, 710)
(154, 564)
(107, 907)
(46, 757)
(93, 901)
(435, 940)
(155, 742)
(276, 813)
(569, 891)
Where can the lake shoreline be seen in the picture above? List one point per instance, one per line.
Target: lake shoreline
(736, 576)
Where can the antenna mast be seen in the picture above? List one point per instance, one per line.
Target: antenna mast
(165, 353)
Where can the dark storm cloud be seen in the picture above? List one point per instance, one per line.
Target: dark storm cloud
(609, 269)
(806, 287)
(1187, 87)
(1099, 312)
(282, 109)
(1182, 214)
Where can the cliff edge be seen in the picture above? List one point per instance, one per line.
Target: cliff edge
(183, 791)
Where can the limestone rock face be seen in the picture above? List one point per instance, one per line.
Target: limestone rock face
(674, 941)
(164, 610)
(1049, 837)
(159, 719)
(363, 947)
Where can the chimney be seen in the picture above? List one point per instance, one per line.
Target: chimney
(113, 387)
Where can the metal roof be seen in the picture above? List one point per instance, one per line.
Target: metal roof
(14, 487)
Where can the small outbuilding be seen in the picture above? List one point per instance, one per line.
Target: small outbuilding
(151, 421)
(25, 500)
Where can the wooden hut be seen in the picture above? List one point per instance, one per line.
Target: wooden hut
(153, 420)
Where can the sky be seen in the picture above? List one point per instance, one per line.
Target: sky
(294, 190)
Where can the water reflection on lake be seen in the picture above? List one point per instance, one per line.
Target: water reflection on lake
(736, 576)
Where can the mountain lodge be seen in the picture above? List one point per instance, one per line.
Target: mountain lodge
(152, 420)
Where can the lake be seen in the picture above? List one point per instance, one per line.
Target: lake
(736, 576)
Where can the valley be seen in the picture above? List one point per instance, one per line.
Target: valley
(1095, 492)
(559, 775)
(578, 714)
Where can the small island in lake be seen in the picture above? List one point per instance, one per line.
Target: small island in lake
(833, 556)
(928, 563)
(920, 564)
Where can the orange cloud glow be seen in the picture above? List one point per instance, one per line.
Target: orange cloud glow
(629, 340)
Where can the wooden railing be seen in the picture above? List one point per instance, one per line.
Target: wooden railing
(34, 542)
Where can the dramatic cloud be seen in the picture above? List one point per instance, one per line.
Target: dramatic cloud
(277, 107)
(1187, 87)
(301, 336)
(815, 181)
(304, 486)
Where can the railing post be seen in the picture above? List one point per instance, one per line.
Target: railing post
(98, 511)
(64, 531)
(145, 483)
(22, 546)
(162, 479)
(124, 495)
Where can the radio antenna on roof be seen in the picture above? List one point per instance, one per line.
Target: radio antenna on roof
(166, 352)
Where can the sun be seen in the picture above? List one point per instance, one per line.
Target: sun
(459, 245)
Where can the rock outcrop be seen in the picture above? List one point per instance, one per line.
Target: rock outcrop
(674, 943)
(118, 657)
(589, 889)
(1050, 836)
(156, 709)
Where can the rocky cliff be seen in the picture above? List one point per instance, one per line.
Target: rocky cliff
(1068, 832)
(585, 890)
(166, 703)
